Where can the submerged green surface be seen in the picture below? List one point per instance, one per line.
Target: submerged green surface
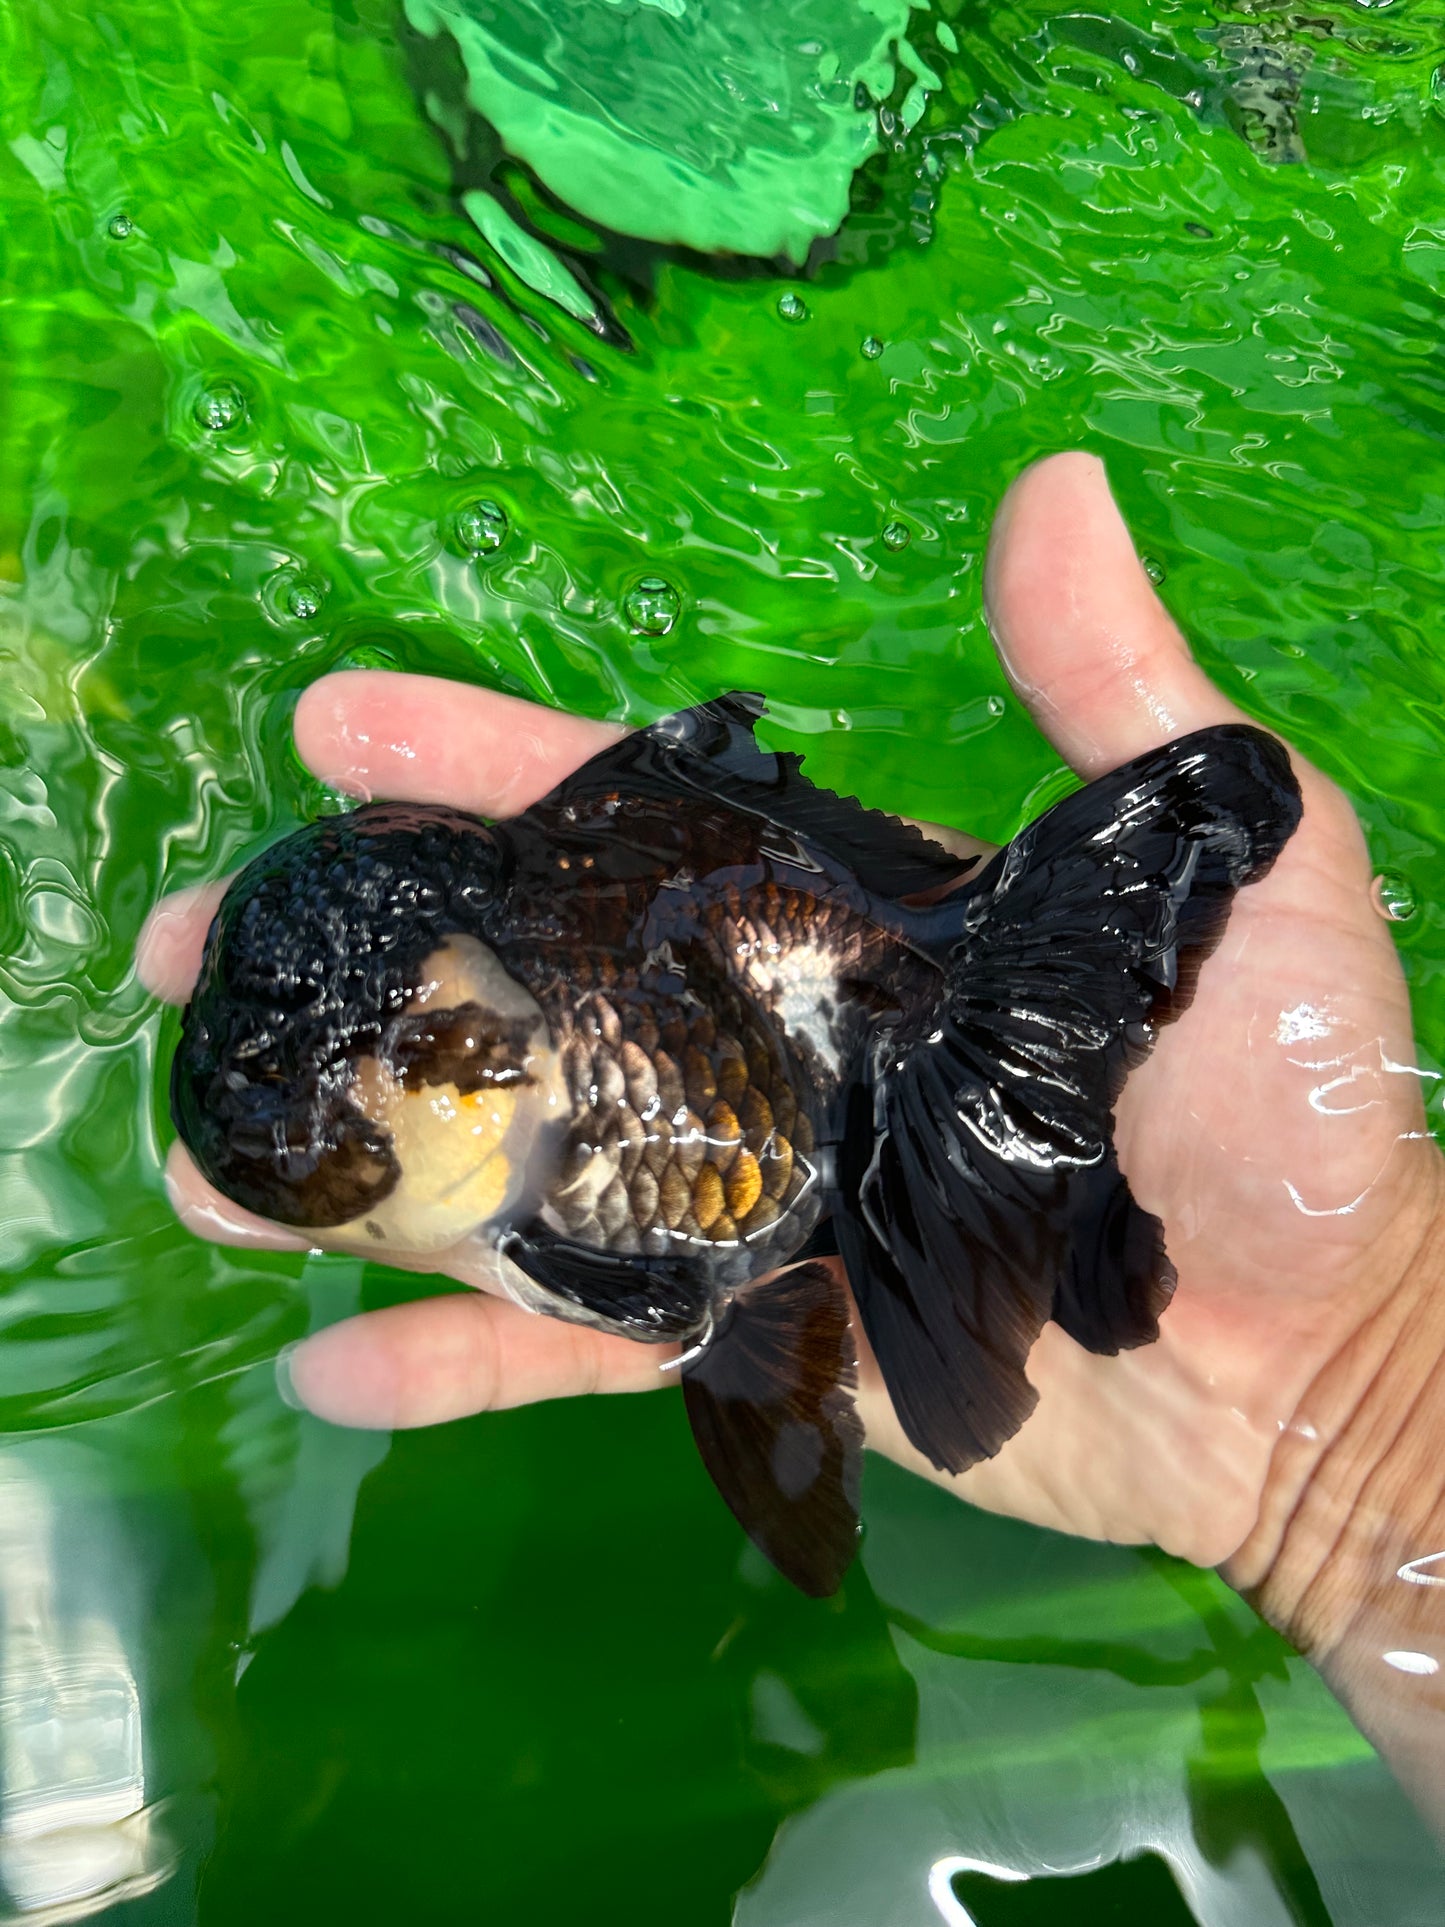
(720, 126)
(259, 369)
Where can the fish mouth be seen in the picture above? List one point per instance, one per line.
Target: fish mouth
(463, 1089)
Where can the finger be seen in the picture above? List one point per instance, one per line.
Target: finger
(445, 1358)
(957, 842)
(1079, 630)
(439, 1358)
(168, 955)
(202, 1209)
(421, 739)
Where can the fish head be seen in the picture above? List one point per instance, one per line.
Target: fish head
(357, 1062)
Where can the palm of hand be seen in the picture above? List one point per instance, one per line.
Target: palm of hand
(1279, 1135)
(1276, 1129)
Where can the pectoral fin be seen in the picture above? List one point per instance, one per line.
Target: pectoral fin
(770, 1401)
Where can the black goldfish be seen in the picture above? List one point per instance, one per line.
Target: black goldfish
(689, 1024)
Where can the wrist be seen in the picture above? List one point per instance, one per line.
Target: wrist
(1347, 1556)
(1357, 1474)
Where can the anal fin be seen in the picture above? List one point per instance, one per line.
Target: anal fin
(770, 1401)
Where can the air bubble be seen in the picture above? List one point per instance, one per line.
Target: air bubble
(370, 655)
(293, 594)
(996, 705)
(480, 528)
(1153, 569)
(219, 407)
(652, 607)
(896, 536)
(1393, 897)
(872, 347)
(120, 227)
(792, 307)
(304, 598)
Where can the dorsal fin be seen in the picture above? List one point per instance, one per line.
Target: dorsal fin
(711, 751)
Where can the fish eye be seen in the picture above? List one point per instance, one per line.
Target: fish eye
(466, 1046)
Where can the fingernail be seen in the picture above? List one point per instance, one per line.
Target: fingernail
(285, 1379)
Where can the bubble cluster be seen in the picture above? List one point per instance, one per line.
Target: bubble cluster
(872, 347)
(1393, 897)
(652, 606)
(792, 307)
(896, 536)
(220, 407)
(480, 528)
(119, 227)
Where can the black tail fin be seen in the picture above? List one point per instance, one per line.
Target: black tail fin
(979, 1189)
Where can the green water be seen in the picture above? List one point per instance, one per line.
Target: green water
(520, 1669)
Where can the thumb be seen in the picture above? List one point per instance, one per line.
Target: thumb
(1079, 630)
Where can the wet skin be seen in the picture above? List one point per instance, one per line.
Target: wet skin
(1277, 1129)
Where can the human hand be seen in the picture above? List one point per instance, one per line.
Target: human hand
(1277, 1129)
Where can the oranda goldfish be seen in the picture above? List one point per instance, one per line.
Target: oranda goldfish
(690, 1024)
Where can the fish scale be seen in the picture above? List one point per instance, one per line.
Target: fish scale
(682, 1133)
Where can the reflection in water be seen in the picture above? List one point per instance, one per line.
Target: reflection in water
(76, 1834)
(943, 1873)
(301, 1521)
(1083, 1707)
